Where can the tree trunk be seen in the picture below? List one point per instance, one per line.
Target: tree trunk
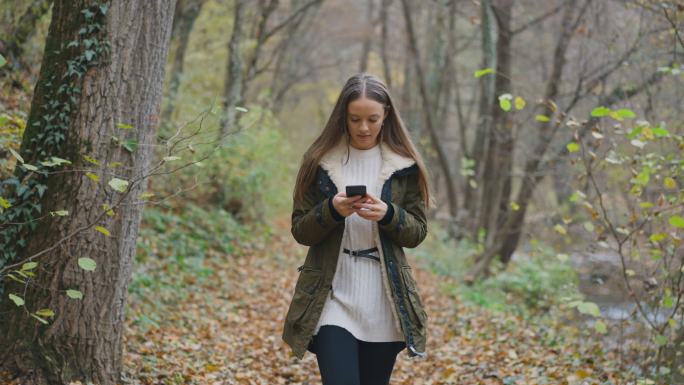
(427, 107)
(484, 124)
(365, 47)
(384, 31)
(110, 87)
(232, 90)
(496, 177)
(509, 233)
(186, 13)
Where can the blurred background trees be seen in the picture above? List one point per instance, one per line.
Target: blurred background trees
(549, 127)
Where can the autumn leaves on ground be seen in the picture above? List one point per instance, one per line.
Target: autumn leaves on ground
(221, 323)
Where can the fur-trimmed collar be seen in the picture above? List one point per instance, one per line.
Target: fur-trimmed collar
(391, 161)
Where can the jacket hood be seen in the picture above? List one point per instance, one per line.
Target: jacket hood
(391, 161)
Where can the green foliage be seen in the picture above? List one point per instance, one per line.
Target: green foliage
(180, 244)
(246, 176)
(530, 285)
(645, 162)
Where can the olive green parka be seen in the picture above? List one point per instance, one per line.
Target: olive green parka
(314, 224)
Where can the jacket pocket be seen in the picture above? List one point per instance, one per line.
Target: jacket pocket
(307, 283)
(413, 296)
(309, 279)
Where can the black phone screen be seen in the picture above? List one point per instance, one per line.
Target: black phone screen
(356, 190)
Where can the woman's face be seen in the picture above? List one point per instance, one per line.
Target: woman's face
(364, 120)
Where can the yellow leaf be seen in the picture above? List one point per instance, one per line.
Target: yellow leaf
(670, 183)
(647, 132)
(108, 210)
(93, 177)
(560, 229)
(582, 374)
(102, 230)
(5, 203)
(90, 159)
(519, 103)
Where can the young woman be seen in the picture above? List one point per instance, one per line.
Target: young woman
(356, 304)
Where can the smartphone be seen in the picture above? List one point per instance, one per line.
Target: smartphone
(356, 190)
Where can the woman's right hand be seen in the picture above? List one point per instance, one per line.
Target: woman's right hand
(344, 204)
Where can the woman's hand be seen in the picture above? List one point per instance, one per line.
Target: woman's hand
(344, 204)
(370, 207)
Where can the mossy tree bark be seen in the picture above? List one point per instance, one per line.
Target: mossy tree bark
(82, 341)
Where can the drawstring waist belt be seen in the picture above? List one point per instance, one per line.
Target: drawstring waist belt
(363, 253)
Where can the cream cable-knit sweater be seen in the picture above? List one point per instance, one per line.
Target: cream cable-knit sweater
(359, 303)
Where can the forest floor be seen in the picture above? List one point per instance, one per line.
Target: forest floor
(228, 331)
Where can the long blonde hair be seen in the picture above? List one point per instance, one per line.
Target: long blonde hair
(393, 132)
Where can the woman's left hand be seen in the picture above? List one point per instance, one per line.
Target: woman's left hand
(376, 208)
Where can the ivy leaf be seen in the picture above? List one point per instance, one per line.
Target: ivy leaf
(30, 167)
(3, 61)
(87, 264)
(75, 294)
(16, 299)
(54, 161)
(16, 155)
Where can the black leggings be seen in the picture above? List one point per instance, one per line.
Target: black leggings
(344, 360)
